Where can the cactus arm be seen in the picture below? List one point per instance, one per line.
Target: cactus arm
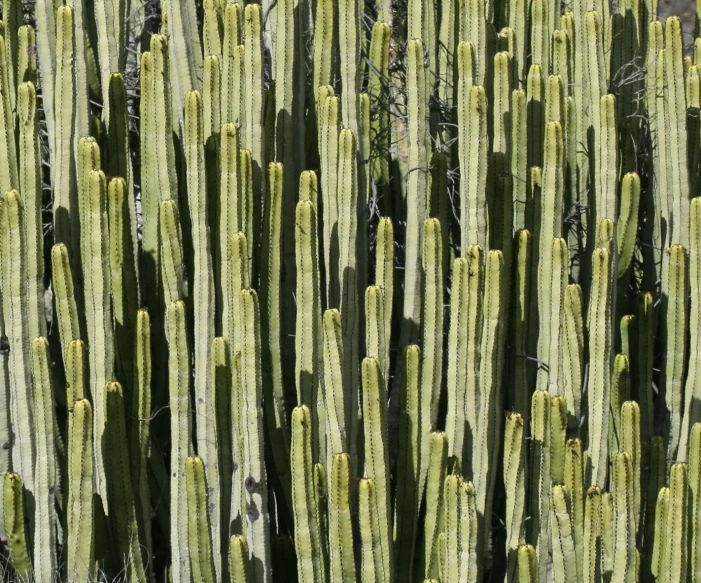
(123, 273)
(211, 101)
(14, 299)
(468, 534)
(199, 530)
(171, 253)
(347, 197)
(417, 186)
(310, 559)
(520, 390)
(457, 352)
(451, 512)
(695, 501)
(514, 482)
(676, 131)
(564, 555)
(211, 30)
(80, 510)
(407, 500)
(13, 494)
(624, 522)
(627, 226)
(64, 296)
(203, 305)
(239, 569)
(476, 267)
(540, 476)
(341, 558)
(473, 165)
(658, 560)
(592, 550)
(376, 450)
(630, 444)
(519, 160)
(120, 498)
(185, 51)
(181, 426)
(30, 185)
(676, 558)
(676, 332)
(384, 277)
(333, 386)
(573, 357)
(231, 73)
(486, 454)
(692, 387)
(96, 275)
(574, 482)
(63, 207)
(373, 561)
(599, 378)
(435, 478)
(255, 482)
(275, 414)
(254, 68)
(46, 478)
(328, 153)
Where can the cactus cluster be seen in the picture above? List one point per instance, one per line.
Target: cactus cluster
(338, 292)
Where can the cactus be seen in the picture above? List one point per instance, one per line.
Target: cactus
(13, 494)
(289, 165)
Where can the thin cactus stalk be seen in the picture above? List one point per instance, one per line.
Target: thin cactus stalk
(514, 482)
(341, 558)
(239, 569)
(435, 480)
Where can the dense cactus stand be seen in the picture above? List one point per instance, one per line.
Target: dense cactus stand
(334, 291)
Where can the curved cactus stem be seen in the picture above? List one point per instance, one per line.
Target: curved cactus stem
(13, 495)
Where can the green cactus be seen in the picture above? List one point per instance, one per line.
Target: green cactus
(13, 494)
(199, 528)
